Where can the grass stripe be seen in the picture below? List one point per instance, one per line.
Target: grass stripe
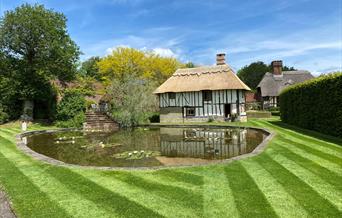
(325, 174)
(335, 168)
(336, 145)
(331, 158)
(325, 190)
(36, 172)
(249, 199)
(283, 203)
(298, 189)
(28, 200)
(114, 203)
(218, 197)
(186, 198)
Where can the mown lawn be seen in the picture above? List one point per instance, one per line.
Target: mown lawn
(299, 175)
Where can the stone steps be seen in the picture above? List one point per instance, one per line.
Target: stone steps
(97, 121)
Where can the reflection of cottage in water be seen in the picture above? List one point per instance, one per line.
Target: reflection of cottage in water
(204, 143)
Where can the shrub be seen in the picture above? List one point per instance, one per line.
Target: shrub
(315, 104)
(4, 117)
(154, 118)
(275, 113)
(70, 111)
(76, 122)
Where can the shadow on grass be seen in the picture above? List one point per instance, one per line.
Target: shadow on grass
(186, 198)
(307, 197)
(27, 197)
(249, 199)
(310, 133)
(100, 196)
(179, 176)
(322, 172)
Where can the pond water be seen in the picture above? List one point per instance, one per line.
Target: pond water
(147, 147)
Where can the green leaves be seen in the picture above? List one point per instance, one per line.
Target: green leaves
(315, 104)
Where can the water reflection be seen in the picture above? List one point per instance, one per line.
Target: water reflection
(146, 146)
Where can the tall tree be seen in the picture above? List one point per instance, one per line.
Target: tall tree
(36, 43)
(141, 64)
(90, 68)
(252, 74)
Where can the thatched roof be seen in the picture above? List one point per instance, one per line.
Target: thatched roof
(218, 77)
(272, 85)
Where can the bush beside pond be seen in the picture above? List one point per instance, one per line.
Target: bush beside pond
(315, 104)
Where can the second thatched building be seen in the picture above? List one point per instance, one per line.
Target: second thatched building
(203, 93)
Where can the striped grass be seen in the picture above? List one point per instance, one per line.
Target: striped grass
(298, 175)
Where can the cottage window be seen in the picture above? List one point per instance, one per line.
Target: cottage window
(207, 95)
(190, 111)
(172, 95)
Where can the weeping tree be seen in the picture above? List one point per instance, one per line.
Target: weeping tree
(35, 42)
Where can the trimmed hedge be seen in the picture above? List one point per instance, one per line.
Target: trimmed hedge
(258, 114)
(315, 104)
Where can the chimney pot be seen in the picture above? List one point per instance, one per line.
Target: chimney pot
(277, 67)
(220, 59)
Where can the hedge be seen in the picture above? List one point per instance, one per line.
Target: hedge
(315, 104)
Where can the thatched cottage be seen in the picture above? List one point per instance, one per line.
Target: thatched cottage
(202, 93)
(273, 83)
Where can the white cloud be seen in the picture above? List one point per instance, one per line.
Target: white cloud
(164, 52)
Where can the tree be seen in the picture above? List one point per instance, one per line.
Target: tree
(141, 64)
(252, 74)
(132, 100)
(35, 41)
(90, 68)
(190, 65)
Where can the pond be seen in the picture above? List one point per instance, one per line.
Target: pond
(147, 147)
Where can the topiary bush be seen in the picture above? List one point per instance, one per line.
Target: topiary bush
(315, 104)
(70, 110)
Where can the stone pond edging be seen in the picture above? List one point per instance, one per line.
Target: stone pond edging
(5, 206)
(259, 149)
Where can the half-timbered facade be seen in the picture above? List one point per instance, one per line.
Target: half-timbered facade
(199, 94)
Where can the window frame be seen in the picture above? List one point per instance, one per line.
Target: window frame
(207, 95)
(172, 95)
(187, 109)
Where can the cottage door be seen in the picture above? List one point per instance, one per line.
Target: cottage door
(227, 110)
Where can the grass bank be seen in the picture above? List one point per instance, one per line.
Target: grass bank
(298, 175)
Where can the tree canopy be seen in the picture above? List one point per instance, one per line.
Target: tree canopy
(90, 68)
(252, 74)
(35, 42)
(141, 64)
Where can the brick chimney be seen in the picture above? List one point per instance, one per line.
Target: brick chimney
(277, 67)
(221, 59)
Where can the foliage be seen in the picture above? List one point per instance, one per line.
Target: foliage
(315, 104)
(4, 117)
(77, 121)
(132, 100)
(154, 117)
(89, 68)
(72, 105)
(189, 65)
(36, 48)
(136, 63)
(252, 74)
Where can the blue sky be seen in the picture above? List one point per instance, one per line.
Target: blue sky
(306, 34)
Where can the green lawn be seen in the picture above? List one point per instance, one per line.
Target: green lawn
(298, 175)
